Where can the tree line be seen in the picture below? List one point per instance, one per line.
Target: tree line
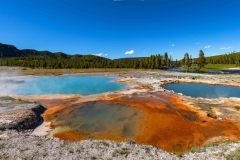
(232, 58)
(12, 56)
(89, 61)
(187, 61)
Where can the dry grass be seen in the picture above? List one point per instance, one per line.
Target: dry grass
(234, 155)
(29, 71)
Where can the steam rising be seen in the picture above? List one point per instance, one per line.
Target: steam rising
(9, 82)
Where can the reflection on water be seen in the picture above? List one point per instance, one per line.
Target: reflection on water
(205, 90)
(229, 71)
(99, 120)
(224, 71)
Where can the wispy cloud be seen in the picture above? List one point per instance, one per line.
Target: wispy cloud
(208, 46)
(172, 45)
(129, 52)
(100, 54)
(226, 48)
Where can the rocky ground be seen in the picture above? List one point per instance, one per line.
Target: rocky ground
(18, 142)
(22, 145)
(157, 79)
(19, 115)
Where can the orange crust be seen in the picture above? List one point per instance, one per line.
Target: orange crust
(168, 123)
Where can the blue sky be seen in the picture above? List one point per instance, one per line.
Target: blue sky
(122, 28)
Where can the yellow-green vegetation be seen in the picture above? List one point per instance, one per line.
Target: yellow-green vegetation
(234, 155)
(210, 144)
(43, 71)
(209, 67)
(218, 67)
(29, 71)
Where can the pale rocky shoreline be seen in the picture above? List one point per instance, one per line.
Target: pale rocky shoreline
(19, 142)
(22, 145)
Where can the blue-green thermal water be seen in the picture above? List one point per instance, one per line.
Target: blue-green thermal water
(205, 90)
(66, 84)
(100, 118)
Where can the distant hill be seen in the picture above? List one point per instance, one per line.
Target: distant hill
(231, 58)
(12, 56)
(7, 50)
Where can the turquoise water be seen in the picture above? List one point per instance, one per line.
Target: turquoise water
(205, 90)
(66, 84)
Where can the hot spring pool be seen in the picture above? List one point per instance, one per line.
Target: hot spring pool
(65, 84)
(205, 90)
(98, 120)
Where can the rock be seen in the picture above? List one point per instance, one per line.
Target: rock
(19, 115)
(4, 136)
(212, 115)
(131, 142)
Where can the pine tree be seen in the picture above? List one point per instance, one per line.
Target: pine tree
(166, 60)
(187, 62)
(201, 60)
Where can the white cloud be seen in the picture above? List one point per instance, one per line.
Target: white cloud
(172, 45)
(226, 48)
(100, 55)
(130, 52)
(208, 46)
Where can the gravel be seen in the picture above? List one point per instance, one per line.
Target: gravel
(22, 145)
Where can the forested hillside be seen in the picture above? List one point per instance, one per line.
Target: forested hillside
(7, 51)
(11, 56)
(232, 58)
